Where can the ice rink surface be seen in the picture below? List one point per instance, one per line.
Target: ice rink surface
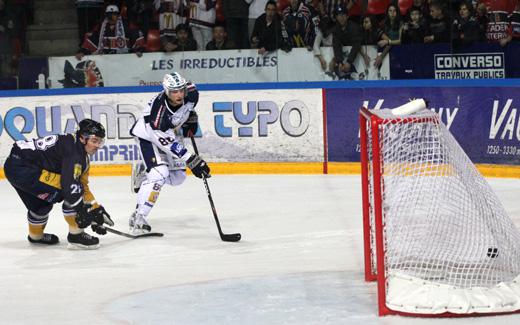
(300, 260)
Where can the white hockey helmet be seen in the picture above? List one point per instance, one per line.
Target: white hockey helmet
(173, 81)
(112, 9)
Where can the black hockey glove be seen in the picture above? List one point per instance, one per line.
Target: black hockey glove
(198, 166)
(84, 217)
(98, 216)
(190, 127)
(101, 217)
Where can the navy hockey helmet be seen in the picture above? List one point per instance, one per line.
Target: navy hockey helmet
(174, 81)
(88, 127)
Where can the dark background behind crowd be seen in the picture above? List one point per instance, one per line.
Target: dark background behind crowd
(133, 26)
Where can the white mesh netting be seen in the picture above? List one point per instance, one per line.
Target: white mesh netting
(443, 225)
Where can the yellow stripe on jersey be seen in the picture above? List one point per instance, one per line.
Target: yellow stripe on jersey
(50, 178)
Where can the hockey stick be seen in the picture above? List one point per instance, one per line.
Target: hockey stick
(124, 234)
(225, 237)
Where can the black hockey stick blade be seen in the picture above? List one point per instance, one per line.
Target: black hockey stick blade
(231, 237)
(124, 234)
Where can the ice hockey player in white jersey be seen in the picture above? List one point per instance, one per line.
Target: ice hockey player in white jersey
(160, 131)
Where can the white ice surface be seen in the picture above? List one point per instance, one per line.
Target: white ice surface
(300, 260)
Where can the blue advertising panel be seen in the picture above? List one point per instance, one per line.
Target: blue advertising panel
(484, 120)
(343, 123)
(441, 61)
(29, 69)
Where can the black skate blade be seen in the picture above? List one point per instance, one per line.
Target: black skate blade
(127, 235)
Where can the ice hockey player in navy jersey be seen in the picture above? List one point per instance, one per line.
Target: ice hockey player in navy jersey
(160, 131)
(53, 169)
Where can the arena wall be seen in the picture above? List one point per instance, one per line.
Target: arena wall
(278, 127)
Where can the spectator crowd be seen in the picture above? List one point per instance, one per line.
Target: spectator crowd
(14, 18)
(137, 26)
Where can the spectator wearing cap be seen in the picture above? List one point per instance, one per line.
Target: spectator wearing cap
(353, 7)
(220, 39)
(345, 33)
(114, 37)
(202, 19)
(89, 14)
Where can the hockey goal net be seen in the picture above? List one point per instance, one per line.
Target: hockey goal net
(437, 239)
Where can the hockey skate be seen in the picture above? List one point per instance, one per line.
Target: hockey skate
(138, 176)
(47, 239)
(82, 241)
(138, 224)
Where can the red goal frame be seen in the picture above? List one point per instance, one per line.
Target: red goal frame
(379, 273)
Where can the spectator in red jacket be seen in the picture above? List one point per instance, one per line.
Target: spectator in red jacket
(498, 28)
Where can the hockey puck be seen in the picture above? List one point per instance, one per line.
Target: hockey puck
(492, 252)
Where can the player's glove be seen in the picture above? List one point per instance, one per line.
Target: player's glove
(84, 217)
(97, 216)
(190, 127)
(198, 166)
(101, 217)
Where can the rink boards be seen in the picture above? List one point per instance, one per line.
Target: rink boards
(278, 127)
